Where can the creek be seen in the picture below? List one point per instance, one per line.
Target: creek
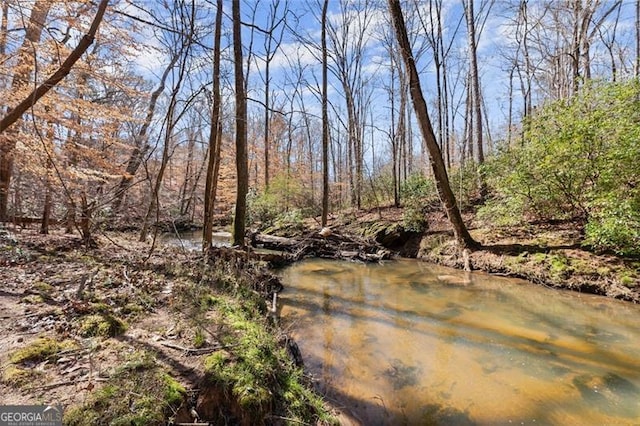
(407, 342)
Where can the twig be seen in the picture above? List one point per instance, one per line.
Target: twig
(193, 424)
(194, 351)
(173, 223)
(289, 419)
(66, 382)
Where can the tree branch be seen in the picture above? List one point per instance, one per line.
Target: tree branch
(14, 114)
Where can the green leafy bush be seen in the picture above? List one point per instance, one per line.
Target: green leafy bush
(578, 160)
(417, 193)
(465, 183)
(284, 203)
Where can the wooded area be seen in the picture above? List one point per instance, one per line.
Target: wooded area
(127, 121)
(493, 135)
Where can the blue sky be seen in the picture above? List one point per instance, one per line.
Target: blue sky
(495, 46)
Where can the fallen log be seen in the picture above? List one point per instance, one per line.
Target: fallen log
(333, 246)
(272, 242)
(240, 256)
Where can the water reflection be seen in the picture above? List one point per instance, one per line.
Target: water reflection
(412, 343)
(192, 240)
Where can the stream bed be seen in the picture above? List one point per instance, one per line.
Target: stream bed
(408, 342)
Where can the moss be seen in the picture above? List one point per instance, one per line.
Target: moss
(208, 301)
(628, 281)
(256, 371)
(16, 376)
(131, 308)
(41, 349)
(559, 266)
(33, 299)
(539, 258)
(43, 287)
(100, 307)
(102, 324)
(253, 376)
(174, 391)
(138, 361)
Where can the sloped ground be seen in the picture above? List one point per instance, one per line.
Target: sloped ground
(115, 334)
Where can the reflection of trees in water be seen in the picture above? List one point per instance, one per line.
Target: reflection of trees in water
(513, 329)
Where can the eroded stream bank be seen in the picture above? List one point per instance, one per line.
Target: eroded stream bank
(412, 343)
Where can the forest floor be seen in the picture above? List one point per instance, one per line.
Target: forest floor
(549, 254)
(111, 332)
(166, 336)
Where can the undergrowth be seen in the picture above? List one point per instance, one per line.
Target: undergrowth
(140, 392)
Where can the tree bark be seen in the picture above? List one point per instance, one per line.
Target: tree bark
(241, 132)
(325, 120)
(474, 81)
(461, 233)
(215, 138)
(4, 27)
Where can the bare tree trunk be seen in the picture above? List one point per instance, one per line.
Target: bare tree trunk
(155, 194)
(170, 120)
(46, 210)
(70, 217)
(393, 136)
(215, 138)
(4, 27)
(189, 174)
(575, 54)
(270, 52)
(86, 214)
(241, 132)
(474, 81)
(461, 233)
(325, 120)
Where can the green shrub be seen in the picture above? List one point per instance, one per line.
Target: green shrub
(465, 183)
(285, 202)
(578, 160)
(417, 193)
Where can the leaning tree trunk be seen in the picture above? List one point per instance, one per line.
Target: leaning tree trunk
(142, 147)
(461, 233)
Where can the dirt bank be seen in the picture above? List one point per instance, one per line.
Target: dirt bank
(550, 254)
(114, 332)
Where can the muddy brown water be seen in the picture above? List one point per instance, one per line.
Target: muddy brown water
(408, 342)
